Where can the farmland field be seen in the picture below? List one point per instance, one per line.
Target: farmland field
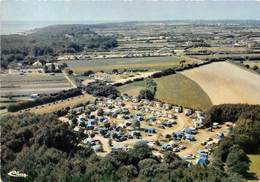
(16, 85)
(152, 63)
(227, 83)
(180, 90)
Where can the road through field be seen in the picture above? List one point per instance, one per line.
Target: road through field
(227, 83)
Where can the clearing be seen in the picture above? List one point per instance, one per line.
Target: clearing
(226, 83)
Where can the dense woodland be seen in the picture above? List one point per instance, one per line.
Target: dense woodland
(51, 40)
(47, 150)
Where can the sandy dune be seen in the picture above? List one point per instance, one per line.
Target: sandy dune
(227, 83)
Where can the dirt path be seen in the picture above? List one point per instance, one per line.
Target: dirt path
(227, 83)
(72, 82)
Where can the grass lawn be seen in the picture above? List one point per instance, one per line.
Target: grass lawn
(255, 165)
(180, 90)
(132, 89)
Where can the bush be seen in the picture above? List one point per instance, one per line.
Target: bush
(87, 73)
(146, 94)
(255, 67)
(149, 91)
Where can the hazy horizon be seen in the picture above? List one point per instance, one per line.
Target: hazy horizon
(121, 11)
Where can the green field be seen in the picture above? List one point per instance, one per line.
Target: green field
(255, 165)
(151, 63)
(180, 90)
(132, 89)
(175, 89)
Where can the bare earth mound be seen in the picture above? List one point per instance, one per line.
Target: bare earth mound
(227, 83)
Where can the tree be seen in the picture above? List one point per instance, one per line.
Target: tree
(141, 151)
(247, 66)
(87, 73)
(237, 160)
(255, 67)
(146, 94)
(70, 72)
(115, 71)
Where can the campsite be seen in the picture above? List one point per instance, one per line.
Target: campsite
(132, 101)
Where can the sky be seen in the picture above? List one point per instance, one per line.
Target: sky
(127, 10)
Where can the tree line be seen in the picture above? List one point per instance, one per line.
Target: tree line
(45, 99)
